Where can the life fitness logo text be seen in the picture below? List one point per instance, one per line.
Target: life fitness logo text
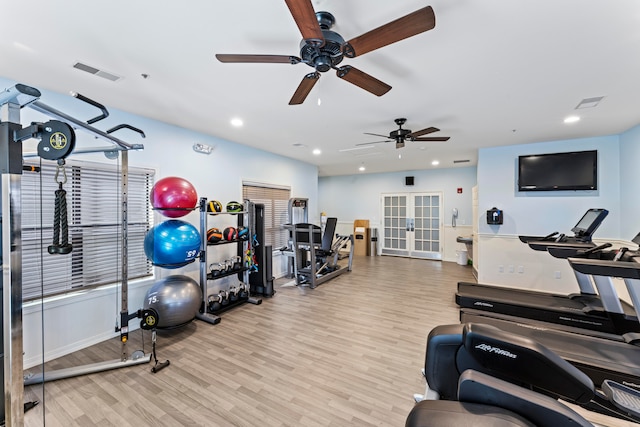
(495, 350)
(58, 141)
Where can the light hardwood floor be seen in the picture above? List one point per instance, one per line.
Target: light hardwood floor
(348, 353)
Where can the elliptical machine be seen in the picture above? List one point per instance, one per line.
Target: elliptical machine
(477, 373)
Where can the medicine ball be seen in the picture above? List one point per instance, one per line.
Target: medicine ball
(214, 206)
(230, 234)
(234, 207)
(214, 235)
(243, 233)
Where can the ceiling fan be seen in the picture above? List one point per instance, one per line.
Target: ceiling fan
(401, 135)
(323, 49)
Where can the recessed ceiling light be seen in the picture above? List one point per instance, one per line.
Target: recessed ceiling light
(399, 156)
(572, 119)
(435, 162)
(316, 152)
(361, 168)
(237, 122)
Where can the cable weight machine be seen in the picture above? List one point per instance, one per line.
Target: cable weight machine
(57, 141)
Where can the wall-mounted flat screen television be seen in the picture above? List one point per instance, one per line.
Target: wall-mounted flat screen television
(558, 171)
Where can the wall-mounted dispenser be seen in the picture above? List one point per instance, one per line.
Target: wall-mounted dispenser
(494, 216)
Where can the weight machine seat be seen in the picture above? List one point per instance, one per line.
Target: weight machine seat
(447, 413)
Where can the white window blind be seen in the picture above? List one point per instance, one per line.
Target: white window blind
(276, 202)
(94, 205)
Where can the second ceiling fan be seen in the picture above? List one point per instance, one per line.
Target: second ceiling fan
(323, 49)
(401, 135)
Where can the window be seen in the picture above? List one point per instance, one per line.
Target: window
(94, 205)
(276, 202)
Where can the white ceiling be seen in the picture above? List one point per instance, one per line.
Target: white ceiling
(492, 72)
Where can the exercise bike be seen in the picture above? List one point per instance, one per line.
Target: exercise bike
(479, 375)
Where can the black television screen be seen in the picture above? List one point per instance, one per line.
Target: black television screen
(558, 171)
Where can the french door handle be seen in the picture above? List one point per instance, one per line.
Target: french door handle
(410, 224)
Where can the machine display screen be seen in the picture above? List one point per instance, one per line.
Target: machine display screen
(590, 221)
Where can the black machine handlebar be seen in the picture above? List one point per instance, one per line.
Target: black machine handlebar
(597, 248)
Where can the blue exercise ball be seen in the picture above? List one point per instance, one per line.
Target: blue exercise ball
(172, 244)
(176, 299)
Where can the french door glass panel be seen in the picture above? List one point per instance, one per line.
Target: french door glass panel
(395, 222)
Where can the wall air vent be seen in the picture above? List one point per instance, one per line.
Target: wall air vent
(97, 72)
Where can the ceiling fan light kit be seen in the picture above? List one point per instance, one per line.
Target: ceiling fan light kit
(323, 49)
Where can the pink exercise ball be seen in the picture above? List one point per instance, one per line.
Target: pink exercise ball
(174, 196)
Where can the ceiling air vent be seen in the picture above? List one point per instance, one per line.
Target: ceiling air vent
(461, 161)
(97, 72)
(589, 102)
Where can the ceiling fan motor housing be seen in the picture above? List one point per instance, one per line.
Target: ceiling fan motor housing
(400, 134)
(324, 57)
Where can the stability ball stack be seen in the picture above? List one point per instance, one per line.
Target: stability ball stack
(173, 243)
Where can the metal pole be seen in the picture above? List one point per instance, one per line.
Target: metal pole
(12, 301)
(10, 193)
(124, 303)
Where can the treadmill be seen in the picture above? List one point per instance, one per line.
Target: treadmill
(583, 312)
(598, 357)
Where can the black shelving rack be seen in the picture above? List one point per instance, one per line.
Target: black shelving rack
(214, 304)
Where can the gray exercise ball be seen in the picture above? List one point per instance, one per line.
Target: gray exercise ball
(176, 298)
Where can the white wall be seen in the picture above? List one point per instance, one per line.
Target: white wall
(629, 183)
(168, 149)
(354, 197)
(503, 259)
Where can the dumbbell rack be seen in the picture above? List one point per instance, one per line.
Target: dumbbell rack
(230, 300)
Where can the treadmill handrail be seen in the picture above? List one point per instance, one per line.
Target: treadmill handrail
(544, 246)
(574, 251)
(598, 267)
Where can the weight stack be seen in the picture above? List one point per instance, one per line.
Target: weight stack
(261, 281)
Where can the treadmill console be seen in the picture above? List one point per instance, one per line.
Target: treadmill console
(589, 223)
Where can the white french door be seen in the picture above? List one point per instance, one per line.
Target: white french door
(411, 225)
